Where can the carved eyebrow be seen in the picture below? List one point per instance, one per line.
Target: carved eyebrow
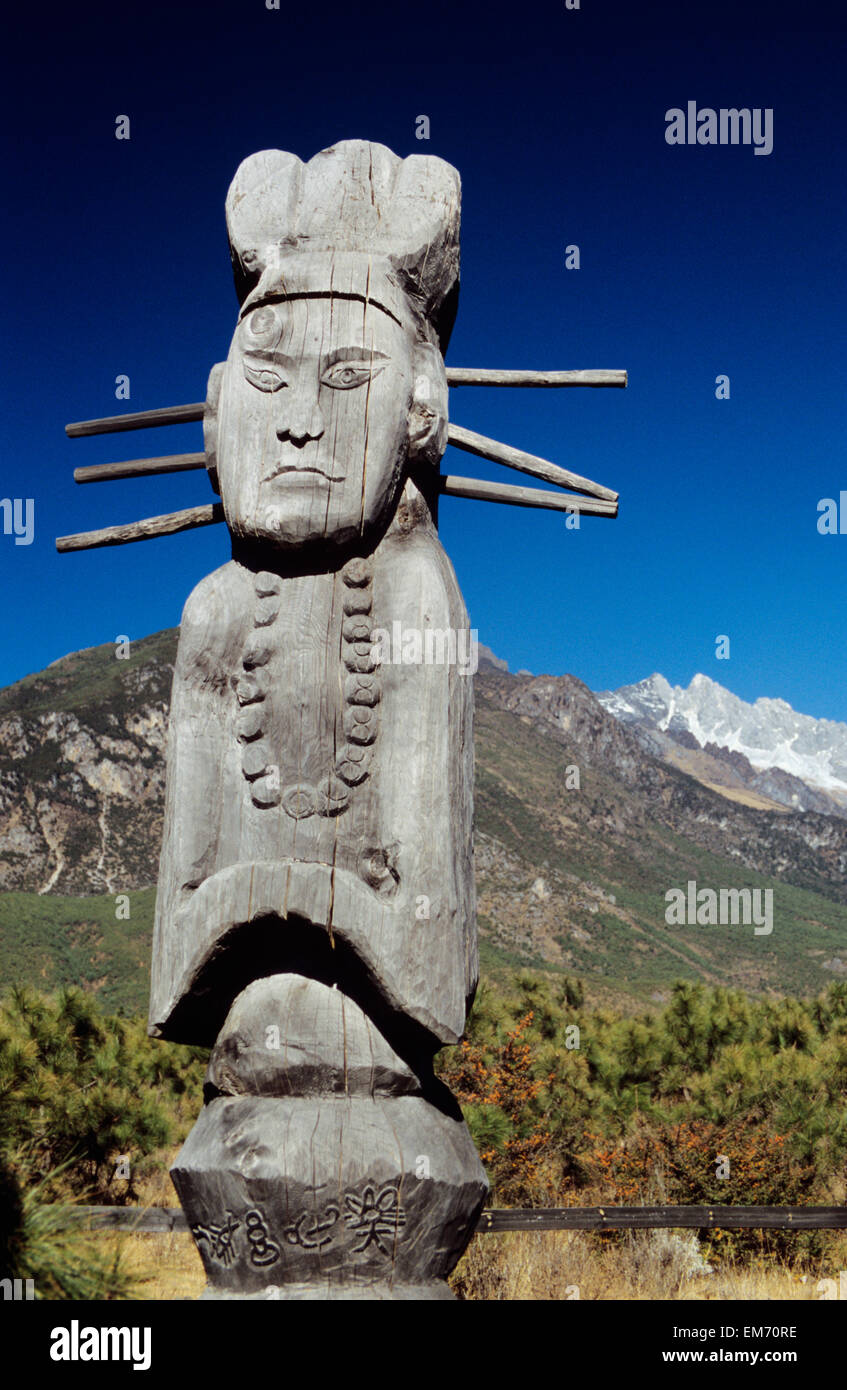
(342, 354)
(358, 354)
(265, 354)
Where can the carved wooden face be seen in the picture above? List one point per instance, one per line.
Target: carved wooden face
(313, 422)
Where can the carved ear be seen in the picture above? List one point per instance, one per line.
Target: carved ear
(428, 411)
(210, 424)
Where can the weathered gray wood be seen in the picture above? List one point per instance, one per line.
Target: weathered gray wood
(332, 1046)
(315, 916)
(137, 420)
(139, 468)
(496, 376)
(236, 758)
(479, 490)
(496, 452)
(147, 529)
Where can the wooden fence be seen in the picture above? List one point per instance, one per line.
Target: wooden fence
(498, 1219)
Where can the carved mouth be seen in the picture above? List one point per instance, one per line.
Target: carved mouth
(287, 468)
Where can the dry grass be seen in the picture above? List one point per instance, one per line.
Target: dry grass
(645, 1265)
(160, 1266)
(537, 1266)
(163, 1266)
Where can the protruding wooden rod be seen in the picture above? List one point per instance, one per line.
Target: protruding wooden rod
(481, 491)
(461, 438)
(140, 420)
(494, 376)
(145, 530)
(525, 463)
(212, 512)
(456, 376)
(139, 468)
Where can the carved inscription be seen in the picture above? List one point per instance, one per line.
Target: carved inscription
(375, 1216)
(312, 1232)
(219, 1238)
(262, 1249)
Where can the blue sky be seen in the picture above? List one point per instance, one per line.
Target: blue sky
(695, 261)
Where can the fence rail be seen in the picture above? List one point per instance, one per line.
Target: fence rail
(498, 1219)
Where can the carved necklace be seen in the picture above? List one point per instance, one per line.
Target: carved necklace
(331, 795)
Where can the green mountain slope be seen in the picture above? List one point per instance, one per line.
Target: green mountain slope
(572, 870)
(48, 941)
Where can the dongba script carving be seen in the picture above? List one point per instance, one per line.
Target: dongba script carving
(222, 1246)
(310, 1231)
(373, 1216)
(219, 1238)
(263, 1250)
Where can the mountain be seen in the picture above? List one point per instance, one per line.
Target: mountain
(82, 773)
(488, 661)
(790, 759)
(581, 829)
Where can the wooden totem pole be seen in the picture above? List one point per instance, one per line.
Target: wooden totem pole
(315, 919)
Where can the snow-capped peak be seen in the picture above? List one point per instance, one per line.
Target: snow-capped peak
(768, 732)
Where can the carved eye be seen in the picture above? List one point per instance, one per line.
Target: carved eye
(345, 375)
(263, 378)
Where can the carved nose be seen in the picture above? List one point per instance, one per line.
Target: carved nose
(301, 418)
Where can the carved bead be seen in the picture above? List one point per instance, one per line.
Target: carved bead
(248, 723)
(357, 601)
(353, 764)
(250, 688)
(265, 790)
(332, 797)
(256, 653)
(360, 724)
(299, 802)
(254, 760)
(359, 656)
(266, 611)
(356, 573)
(267, 584)
(361, 689)
(356, 629)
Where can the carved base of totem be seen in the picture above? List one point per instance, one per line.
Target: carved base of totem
(335, 1197)
(324, 1164)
